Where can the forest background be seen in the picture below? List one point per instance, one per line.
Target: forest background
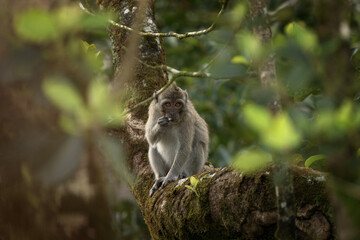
(276, 81)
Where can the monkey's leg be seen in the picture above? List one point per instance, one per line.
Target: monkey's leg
(159, 168)
(157, 163)
(196, 161)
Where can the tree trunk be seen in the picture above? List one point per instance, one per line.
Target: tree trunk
(230, 205)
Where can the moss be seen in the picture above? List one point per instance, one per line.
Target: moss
(187, 216)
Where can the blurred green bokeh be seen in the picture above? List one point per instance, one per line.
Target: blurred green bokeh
(66, 53)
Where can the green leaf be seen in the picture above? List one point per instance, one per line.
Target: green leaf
(91, 48)
(36, 25)
(238, 12)
(251, 160)
(240, 59)
(344, 116)
(257, 117)
(63, 94)
(98, 94)
(189, 187)
(250, 45)
(68, 124)
(93, 57)
(68, 18)
(194, 181)
(302, 36)
(324, 121)
(313, 159)
(281, 135)
(95, 22)
(103, 106)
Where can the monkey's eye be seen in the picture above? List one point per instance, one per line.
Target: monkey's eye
(167, 105)
(178, 105)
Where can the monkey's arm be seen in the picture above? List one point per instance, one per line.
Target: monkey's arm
(155, 128)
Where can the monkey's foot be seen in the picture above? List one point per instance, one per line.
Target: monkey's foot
(158, 183)
(168, 180)
(161, 183)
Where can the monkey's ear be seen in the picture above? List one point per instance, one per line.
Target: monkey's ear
(155, 97)
(186, 95)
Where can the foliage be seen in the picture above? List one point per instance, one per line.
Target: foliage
(194, 182)
(66, 51)
(60, 57)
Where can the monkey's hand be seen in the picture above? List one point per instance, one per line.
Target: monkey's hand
(156, 185)
(163, 121)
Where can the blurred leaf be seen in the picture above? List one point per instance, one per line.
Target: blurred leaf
(250, 45)
(103, 106)
(88, 47)
(324, 121)
(63, 164)
(251, 160)
(96, 22)
(36, 25)
(68, 18)
(257, 117)
(222, 67)
(279, 41)
(238, 12)
(113, 152)
(303, 37)
(282, 14)
(189, 187)
(334, 123)
(25, 172)
(69, 124)
(296, 71)
(281, 134)
(98, 94)
(93, 57)
(63, 94)
(297, 159)
(312, 159)
(240, 59)
(344, 116)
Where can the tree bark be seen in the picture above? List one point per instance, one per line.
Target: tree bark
(283, 179)
(230, 205)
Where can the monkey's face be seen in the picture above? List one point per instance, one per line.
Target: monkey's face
(172, 109)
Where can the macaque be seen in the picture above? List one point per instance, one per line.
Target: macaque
(178, 137)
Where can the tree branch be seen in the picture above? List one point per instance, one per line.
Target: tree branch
(176, 75)
(173, 34)
(233, 206)
(168, 34)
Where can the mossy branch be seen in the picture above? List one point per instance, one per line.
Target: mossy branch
(230, 205)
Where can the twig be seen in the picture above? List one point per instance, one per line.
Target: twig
(168, 34)
(177, 74)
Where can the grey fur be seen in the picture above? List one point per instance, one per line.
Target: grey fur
(176, 149)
